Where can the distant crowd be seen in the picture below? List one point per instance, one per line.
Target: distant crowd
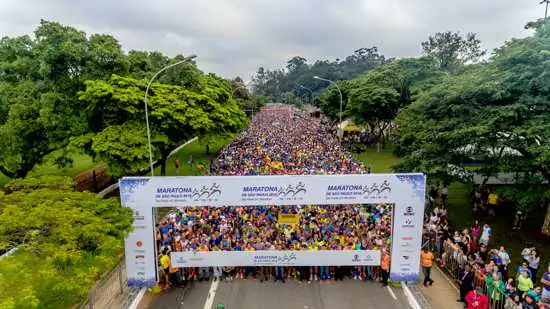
(279, 144)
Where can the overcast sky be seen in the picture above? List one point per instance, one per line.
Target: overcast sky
(235, 37)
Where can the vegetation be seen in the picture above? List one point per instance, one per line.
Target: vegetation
(65, 241)
(448, 110)
(63, 90)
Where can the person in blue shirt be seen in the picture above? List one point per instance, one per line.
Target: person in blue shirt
(523, 267)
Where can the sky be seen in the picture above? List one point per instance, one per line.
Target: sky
(234, 37)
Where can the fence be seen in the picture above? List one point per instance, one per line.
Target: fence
(93, 179)
(110, 291)
(499, 297)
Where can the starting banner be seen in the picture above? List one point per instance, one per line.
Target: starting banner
(276, 258)
(289, 219)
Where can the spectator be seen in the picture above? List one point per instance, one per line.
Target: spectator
(427, 259)
(524, 282)
(486, 234)
(546, 284)
(476, 300)
(466, 279)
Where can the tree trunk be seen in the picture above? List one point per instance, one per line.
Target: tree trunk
(162, 163)
(207, 149)
(546, 226)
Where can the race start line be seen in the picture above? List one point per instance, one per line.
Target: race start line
(405, 191)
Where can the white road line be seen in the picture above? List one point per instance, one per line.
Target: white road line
(391, 292)
(211, 295)
(410, 297)
(447, 278)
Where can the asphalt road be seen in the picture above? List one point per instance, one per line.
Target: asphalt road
(251, 294)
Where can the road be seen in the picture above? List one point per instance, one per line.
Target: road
(251, 294)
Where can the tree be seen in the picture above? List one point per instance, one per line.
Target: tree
(375, 106)
(329, 99)
(451, 49)
(40, 78)
(497, 114)
(65, 240)
(176, 115)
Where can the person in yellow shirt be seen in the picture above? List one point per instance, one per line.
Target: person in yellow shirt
(492, 201)
(165, 265)
(426, 260)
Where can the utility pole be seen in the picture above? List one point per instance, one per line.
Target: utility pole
(546, 11)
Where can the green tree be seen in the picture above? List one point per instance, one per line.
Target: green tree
(496, 114)
(375, 106)
(451, 49)
(176, 114)
(65, 240)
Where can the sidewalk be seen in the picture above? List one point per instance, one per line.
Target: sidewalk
(443, 293)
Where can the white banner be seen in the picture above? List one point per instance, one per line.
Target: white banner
(405, 191)
(276, 258)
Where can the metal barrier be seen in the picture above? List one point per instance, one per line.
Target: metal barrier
(110, 290)
(492, 283)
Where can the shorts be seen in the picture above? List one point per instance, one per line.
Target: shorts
(166, 271)
(545, 294)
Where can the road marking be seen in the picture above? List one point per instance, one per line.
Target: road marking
(410, 297)
(211, 295)
(447, 278)
(391, 292)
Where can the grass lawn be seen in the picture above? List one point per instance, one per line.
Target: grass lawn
(380, 162)
(461, 215)
(81, 163)
(197, 151)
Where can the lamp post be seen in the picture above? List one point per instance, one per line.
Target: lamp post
(187, 59)
(312, 96)
(545, 12)
(339, 91)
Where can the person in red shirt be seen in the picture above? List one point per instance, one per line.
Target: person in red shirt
(476, 300)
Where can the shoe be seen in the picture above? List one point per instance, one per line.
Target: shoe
(309, 282)
(315, 277)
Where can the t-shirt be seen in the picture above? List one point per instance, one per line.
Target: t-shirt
(165, 261)
(524, 283)
(426, 258)
(493, 199)
(546, 277)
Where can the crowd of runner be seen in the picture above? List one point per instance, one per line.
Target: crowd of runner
(277, 143)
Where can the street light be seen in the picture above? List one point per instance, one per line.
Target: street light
(312, 96)
(546, 12)
(335, 84)
(187, 59)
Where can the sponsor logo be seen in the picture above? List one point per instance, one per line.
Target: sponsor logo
(181, 260)
(406, 245)
(376, 189)
(137, 216)
(407, 238)
(138, 227)
(356, 258)
(409, 211)
(406, 257)
(368, 258)
(139, 262)
(288, 257)
(139, 251)
(292, 191)
(207, 192)
(405, 269)
(407, 251)
(139, 243)
(407, 223)
(141, 273)
(140, 256)
(196, 194)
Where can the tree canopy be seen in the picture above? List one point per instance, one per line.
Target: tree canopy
(497, 114)
(56, 86)
(65, 240)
